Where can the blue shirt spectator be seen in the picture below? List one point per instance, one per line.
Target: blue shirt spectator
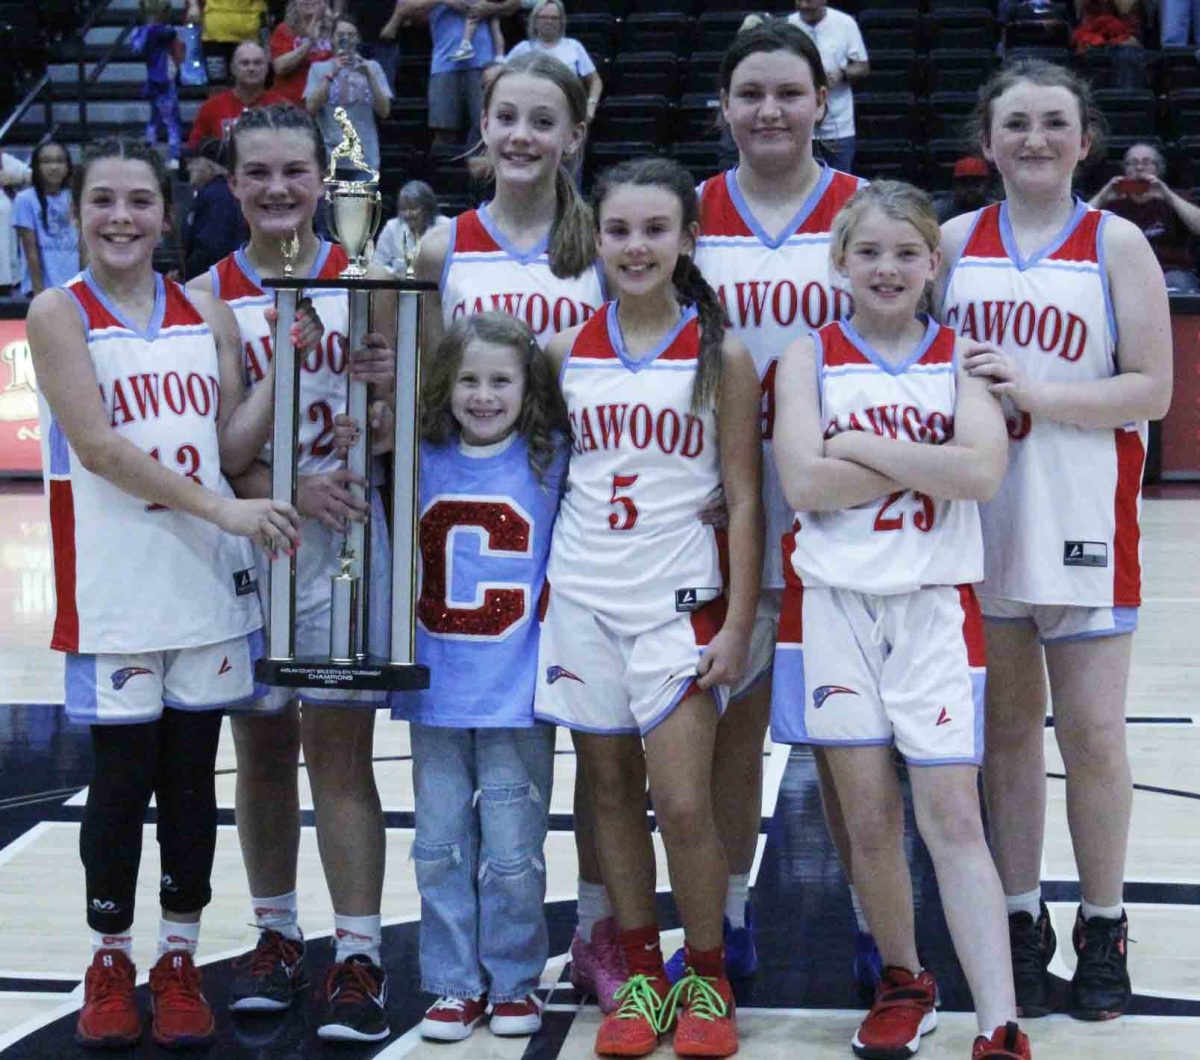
(57, 239)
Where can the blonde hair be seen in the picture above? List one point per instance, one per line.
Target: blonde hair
(898, 201)
(572, 249)
(537, 10)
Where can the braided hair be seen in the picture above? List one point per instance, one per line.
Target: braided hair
(691, 288)
(125, 148)
(278, 117)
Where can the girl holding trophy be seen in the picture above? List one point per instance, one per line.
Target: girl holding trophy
(277, 156)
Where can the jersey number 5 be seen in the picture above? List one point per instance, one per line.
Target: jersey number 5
(506, 530)
(626, 515)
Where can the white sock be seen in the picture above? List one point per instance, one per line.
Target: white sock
(860, 918)
(358, 934)
(174, 935)
(735, 899)
(279, 914)
(101, 941)
(1030, 902)
(592, 907)
(1104, 912)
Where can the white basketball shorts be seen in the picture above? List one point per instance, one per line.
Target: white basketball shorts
(1058, 623)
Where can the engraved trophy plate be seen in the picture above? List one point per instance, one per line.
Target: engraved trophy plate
(354, 661)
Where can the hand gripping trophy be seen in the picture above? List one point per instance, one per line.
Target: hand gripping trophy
(354, 660)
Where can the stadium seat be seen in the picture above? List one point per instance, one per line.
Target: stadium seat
(1179, 69)
(597, 33)
(602, 155)
(701, 72)
(948, 116)
(886, 116)
(702, 160)
(1132, 112)
(1058, 56)
(959, 69)
(1183, 112)
(887, 160)
(616, 8)
(697, 117)
(645, 74)
(656, 31)
(961, 27)
(715, 30)
(644, 118)
(1037, 25)
(898, 70)
(891, 28)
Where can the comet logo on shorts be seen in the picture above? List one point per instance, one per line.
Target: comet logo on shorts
(121, 677)
(823, 692)
(554, 673)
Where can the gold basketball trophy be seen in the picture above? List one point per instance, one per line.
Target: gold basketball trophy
(354, 661)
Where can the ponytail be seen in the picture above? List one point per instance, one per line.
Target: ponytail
(692, 288)
(572, 248)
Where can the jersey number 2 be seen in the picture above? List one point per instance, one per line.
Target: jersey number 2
(922, 518)
(507, 530)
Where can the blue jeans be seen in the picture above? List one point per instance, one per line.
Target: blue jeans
(837, 153)
(1180, 22)
(164, 109)
(483, 807)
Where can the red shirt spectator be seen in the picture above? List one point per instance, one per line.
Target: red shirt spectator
(304, 37)
(219, 112)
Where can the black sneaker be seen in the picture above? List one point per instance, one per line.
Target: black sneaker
(1100, 989)
(270, 976)
(1033, 944)
(355, 1002)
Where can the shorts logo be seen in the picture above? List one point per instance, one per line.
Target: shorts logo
(825, 691)
(105, 905)
(694, 599)
(121, 676)
(553, 673)
(944, 718)
(244, 582)
(225, 667)
(1085, 554)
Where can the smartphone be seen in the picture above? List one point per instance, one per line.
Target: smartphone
(1129, 186)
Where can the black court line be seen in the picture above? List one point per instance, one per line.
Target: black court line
(9, 984)
(1153, 789)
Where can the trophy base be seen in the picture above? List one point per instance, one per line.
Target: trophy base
(366, 674)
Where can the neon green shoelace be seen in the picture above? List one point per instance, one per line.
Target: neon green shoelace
(700, 996)
(637, 999)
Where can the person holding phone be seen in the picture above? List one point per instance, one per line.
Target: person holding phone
(349, 81)
(1167, 219)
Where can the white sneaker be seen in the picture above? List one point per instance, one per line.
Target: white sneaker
(465, 51)
(451, 1019)
(517, 1019)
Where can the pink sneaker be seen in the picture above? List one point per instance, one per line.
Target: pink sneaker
(598, 967)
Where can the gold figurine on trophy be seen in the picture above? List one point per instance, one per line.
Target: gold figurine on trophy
(355, 206)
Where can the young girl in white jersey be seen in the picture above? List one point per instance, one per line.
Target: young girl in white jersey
(493, 464)
(531, 252)
(156, 604)
(885, 444)
(645, 627)
(1078, 308)
(277, 159)
(764, 248)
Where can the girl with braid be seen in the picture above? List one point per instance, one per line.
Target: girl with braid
(645, 624)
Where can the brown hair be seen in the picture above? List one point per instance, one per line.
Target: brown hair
(278, 117)
(572, 249)
(772, 35)
(690, 285)
(112, 147)
(543, 416)
(897, 201)
(1045, 75)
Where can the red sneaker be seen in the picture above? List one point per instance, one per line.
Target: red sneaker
(705, 1023)
(109, 1018)
(632, 1030)
(903, 1011)
(181, 1015)
(451, 1019)
(517, 1019)
(1006, 1043)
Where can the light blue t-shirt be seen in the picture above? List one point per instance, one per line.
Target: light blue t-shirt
(486, 523)
(350, 90)
(567, 50)
(446, 27)
(57, 237)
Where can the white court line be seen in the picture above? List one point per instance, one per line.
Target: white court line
(24, 840)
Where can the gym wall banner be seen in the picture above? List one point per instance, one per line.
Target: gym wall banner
(20, 439)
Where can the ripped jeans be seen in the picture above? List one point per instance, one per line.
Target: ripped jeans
(483, 805)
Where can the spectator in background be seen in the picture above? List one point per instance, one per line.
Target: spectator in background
(970, 187)
(217, 113)
(844, 56)
(160, 47)
(214, 226)
(304, 37)
(349, 81)
(224, 24)
(378, 23)
(546, 30)
(42, 216)
(1168, 221)
(1180, 23)
(1114, 24)
(14, 174)
(455, 88)
(416, 213)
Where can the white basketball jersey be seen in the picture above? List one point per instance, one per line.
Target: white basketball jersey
(323, 383)
(774, 289)
(133, 577)
(907, 540)
(628, 543)
(1063, 527)
(484, 271)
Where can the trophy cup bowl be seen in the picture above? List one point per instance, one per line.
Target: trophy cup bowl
(355, 205)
